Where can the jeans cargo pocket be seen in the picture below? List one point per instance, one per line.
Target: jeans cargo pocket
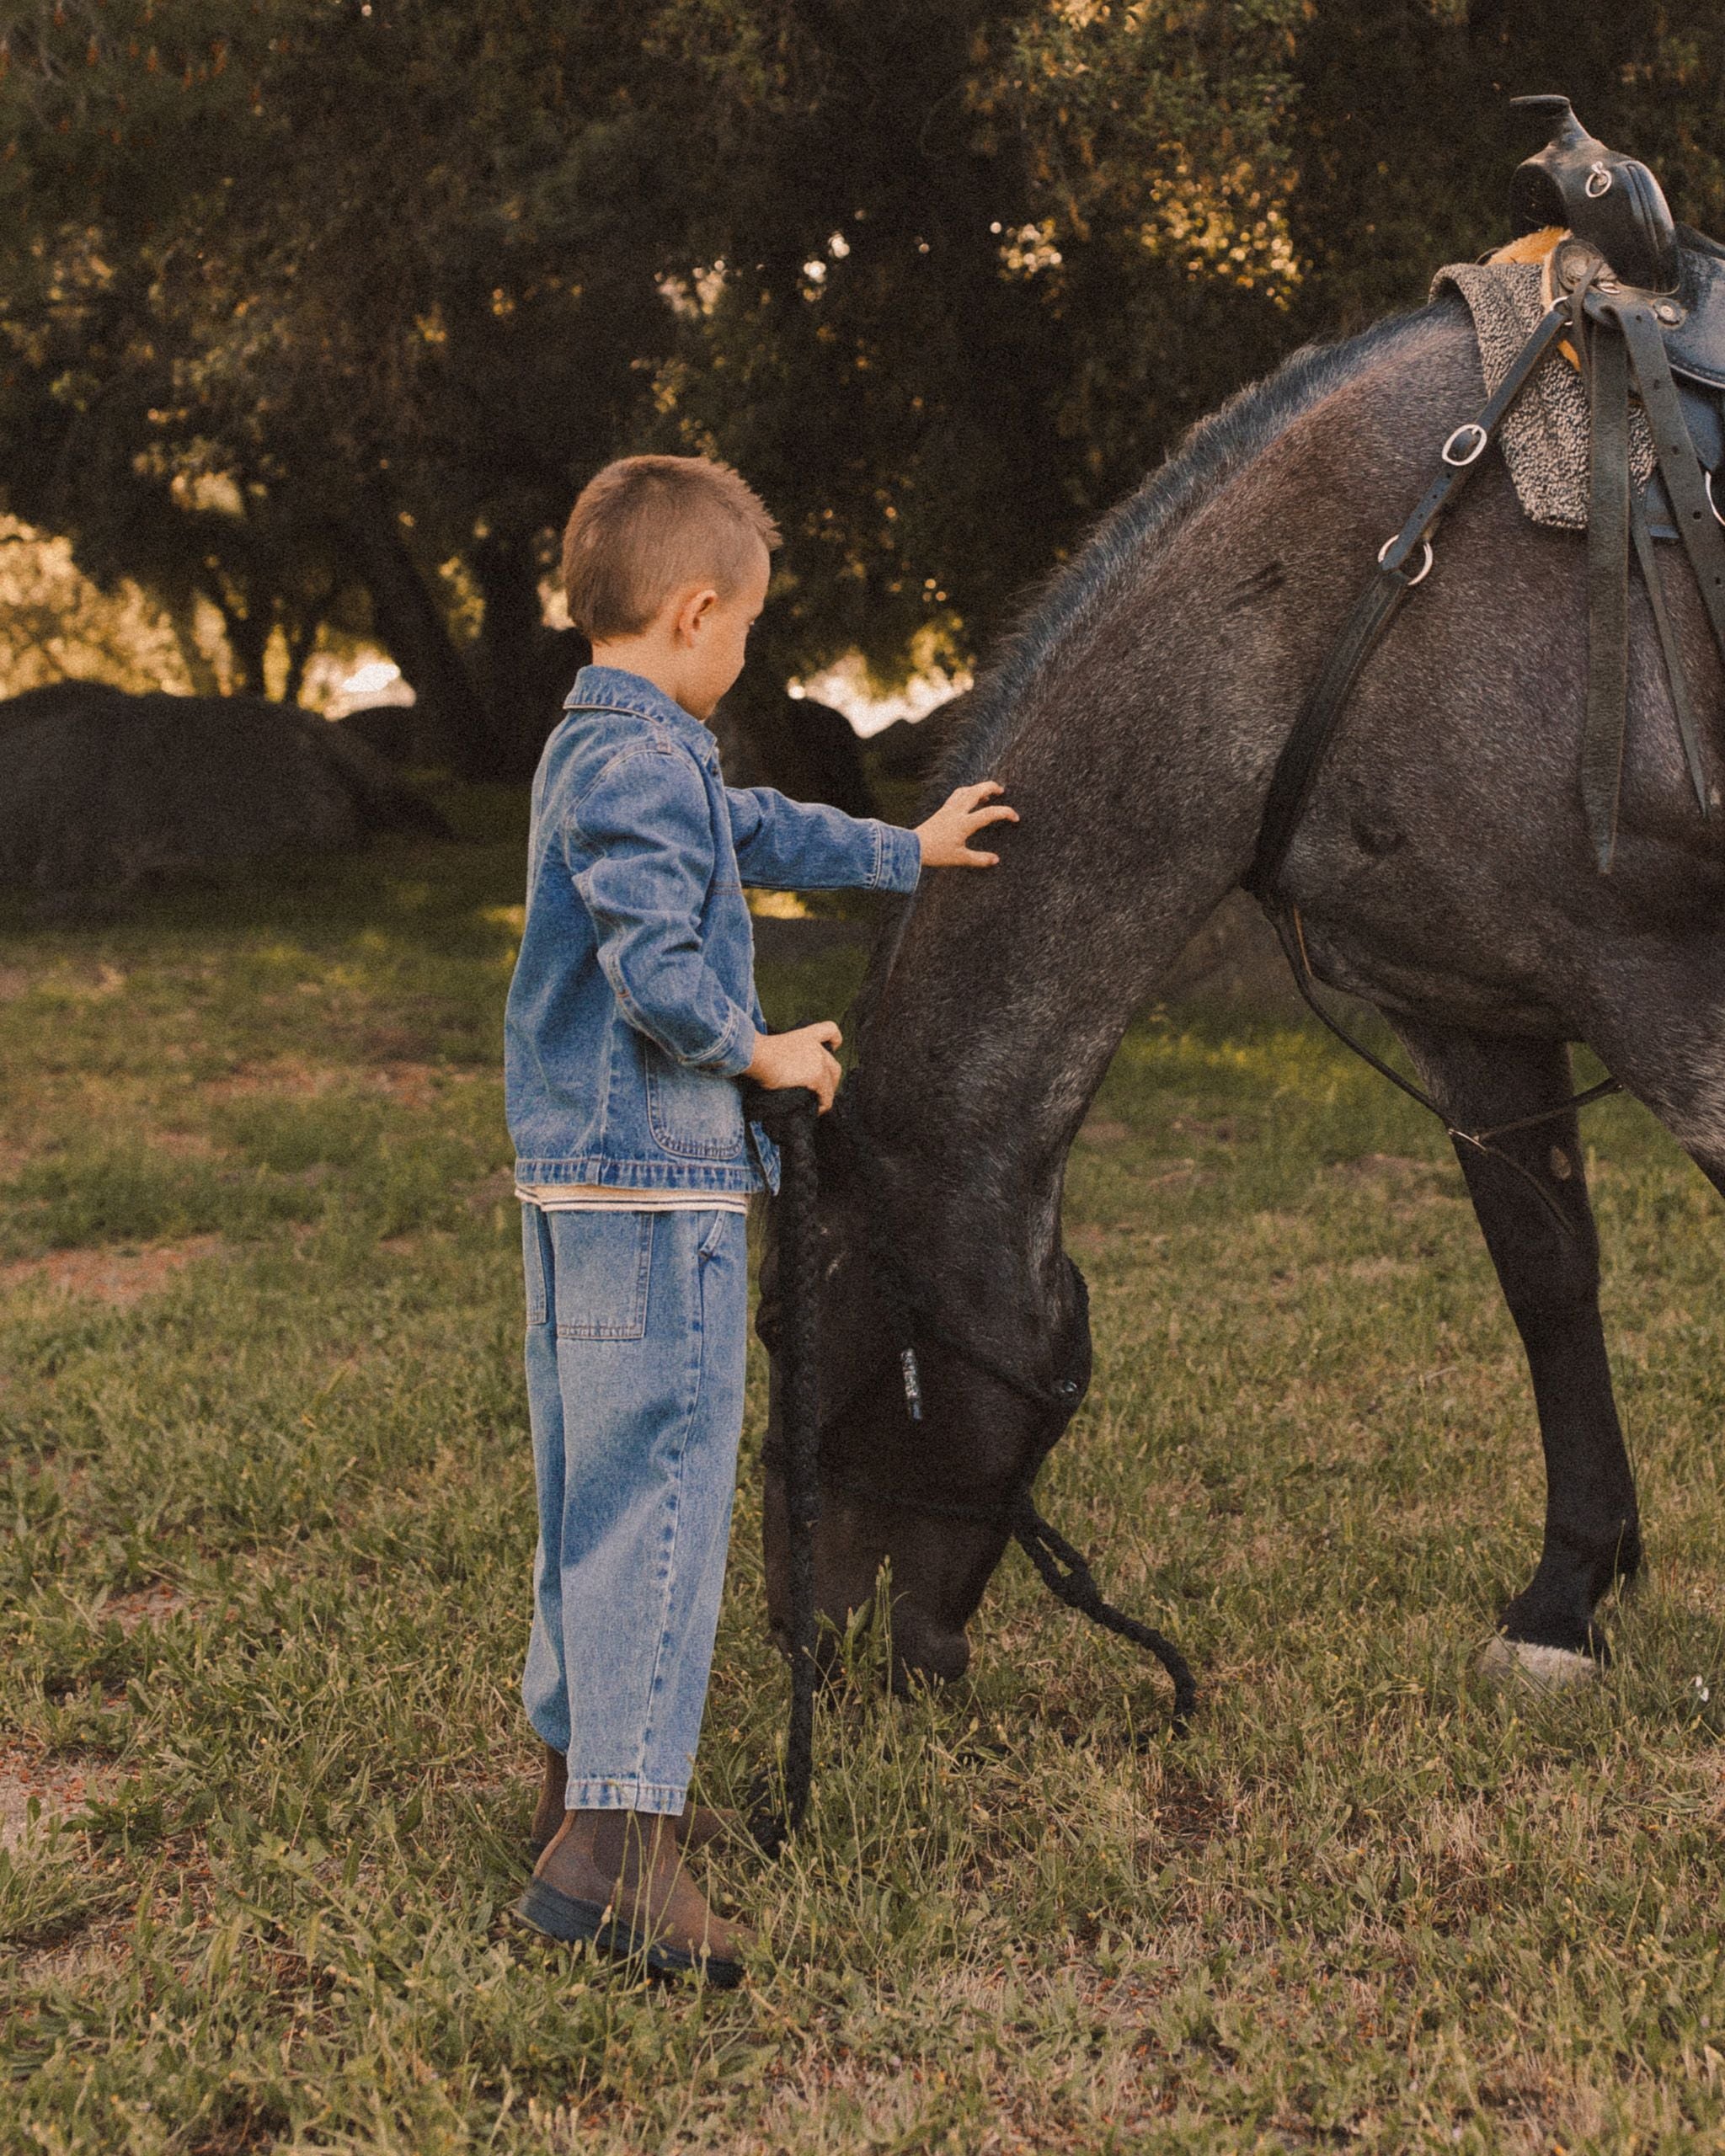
(603, 1268)
(533, 1257)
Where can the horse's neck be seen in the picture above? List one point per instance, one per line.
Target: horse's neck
(1143, 726)
(985, 1048)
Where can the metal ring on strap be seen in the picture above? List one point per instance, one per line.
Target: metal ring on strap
(1425, 567)
(1598, 182)
(1707, 482)
(1480, 438)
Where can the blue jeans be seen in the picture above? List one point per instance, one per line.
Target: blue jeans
(636, 1348)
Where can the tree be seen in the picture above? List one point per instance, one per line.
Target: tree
(944, 310)
(324, 309)
(1409, 137)
(333, 354)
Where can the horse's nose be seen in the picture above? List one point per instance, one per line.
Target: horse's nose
(923, 1647)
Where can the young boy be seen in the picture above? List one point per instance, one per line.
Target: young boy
(631, 1017)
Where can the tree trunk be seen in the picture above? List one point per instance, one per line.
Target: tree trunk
(248, 637)
(454, 722)
(301, 637)
(524, 669)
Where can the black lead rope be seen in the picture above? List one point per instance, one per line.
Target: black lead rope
(787, 1115)
(1066, 1572)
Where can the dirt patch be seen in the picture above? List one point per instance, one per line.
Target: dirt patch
(1219, 1130)
(114, 1277)
(147, 1605)
(185, 1145)
(1180, 1175)
(282, 1074)
(1103, 1130)
(59, 1786)
(1384, 1167)
(14, 981)
(414, 1084)
(398, 1047)
(498, 1188)
(96, 1950)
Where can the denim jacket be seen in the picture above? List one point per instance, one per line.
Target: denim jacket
(633, 1009)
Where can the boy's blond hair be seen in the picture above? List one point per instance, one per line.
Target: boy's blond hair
(645, 526)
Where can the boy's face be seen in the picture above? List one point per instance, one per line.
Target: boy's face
(711, 635)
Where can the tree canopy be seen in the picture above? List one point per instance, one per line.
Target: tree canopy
(322, 310)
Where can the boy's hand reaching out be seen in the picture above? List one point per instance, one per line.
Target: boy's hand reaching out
(801, 1057)
(946, 836)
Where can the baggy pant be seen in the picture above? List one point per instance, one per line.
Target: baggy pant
(635, 1350)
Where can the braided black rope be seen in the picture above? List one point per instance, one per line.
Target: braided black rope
(1065, 1574)
(1064, 1570)
(786, 1115)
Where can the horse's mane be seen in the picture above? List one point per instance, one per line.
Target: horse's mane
(1205, 458)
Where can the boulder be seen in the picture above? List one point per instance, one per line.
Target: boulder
(803, 747)
(396, 732)
(101, 791)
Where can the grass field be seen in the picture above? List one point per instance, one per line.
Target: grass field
(264, 1550)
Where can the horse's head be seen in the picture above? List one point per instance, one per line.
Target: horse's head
(927, 1499)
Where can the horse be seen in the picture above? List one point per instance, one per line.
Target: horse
(1441, 871)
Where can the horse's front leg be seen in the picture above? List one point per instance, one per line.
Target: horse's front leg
(1539, 1228)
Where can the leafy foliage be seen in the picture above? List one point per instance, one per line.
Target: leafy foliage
(322, 310)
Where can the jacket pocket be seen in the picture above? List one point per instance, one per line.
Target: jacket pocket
(694, 1114)
(602, 1273)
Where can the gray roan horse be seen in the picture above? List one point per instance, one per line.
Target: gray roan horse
(1442, 872)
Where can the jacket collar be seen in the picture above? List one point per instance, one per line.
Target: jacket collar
(610, 688)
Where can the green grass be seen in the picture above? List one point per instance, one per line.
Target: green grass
(264, 1539)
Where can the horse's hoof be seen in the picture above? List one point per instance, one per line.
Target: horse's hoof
(1547, 1669)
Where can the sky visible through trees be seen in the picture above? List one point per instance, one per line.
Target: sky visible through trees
(314, 314)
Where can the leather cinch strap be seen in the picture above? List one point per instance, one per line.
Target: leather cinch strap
(1607, 590)
(1624, 333)
(1655, 583)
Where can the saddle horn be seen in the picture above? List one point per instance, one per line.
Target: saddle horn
(1612, 201)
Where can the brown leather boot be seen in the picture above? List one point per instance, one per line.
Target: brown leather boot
(698, 1825)
(616, 1881)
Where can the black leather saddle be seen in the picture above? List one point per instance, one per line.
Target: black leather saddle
(1610, 200)
(1640, 302)
(1692, 323)
(1615, 208)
